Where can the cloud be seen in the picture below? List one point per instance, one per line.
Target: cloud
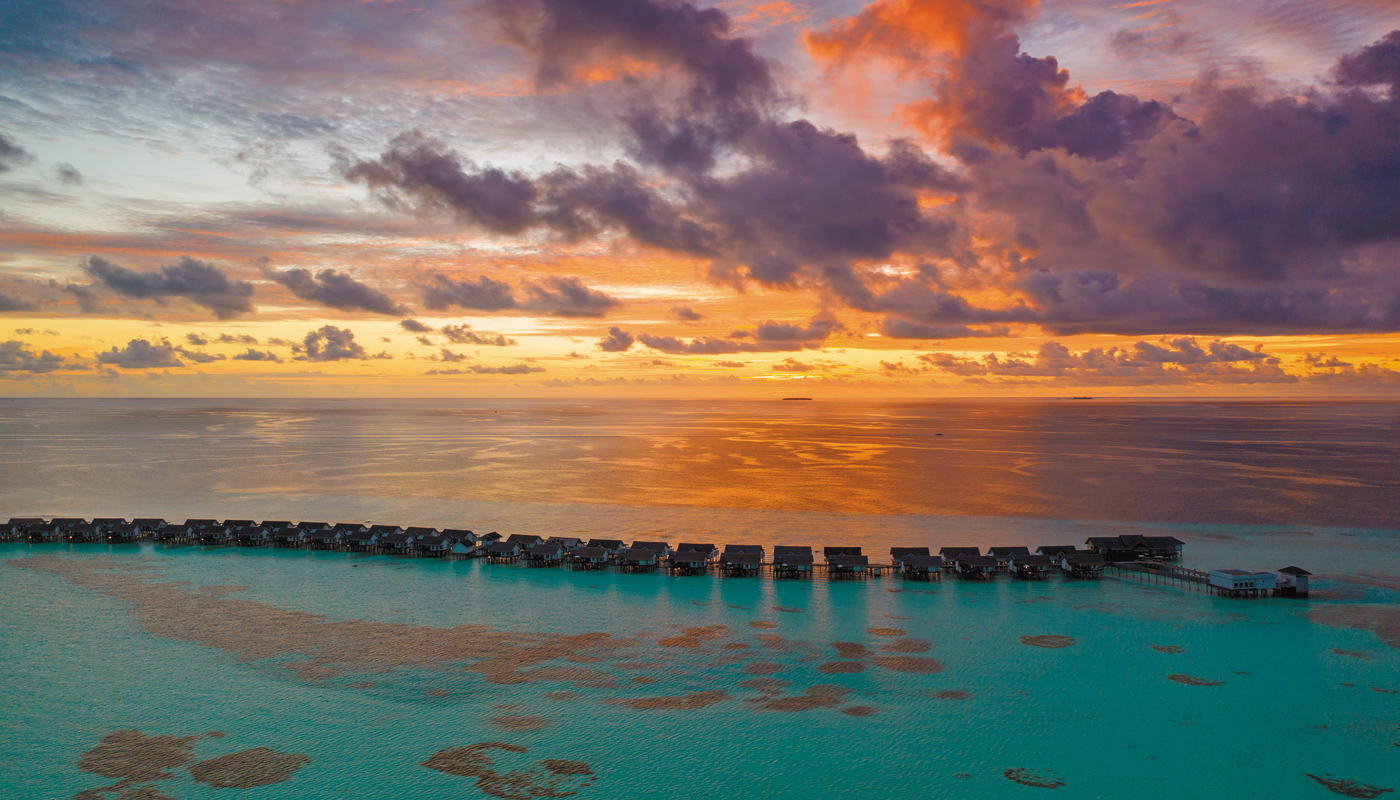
(768, 337)
(731, 364)
(87, 299)
(685, 314)
(335, 289)
(792, 365)
(201, 283)
(424, 340)
(463, 334)
(12, 155)
(482, 294)
(451, 357)
(617, 341)
(896, 328)
(15, 357)
(141, 354)
(1181, 360)
(258, 355)
(68, 175)
(477, 369)
(414, 326)
(199, 357)
(242, 338)
(195, 339)
(330, 343)
(568, 297)
(8, 303)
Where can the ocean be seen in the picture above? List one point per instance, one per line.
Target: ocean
(145, 671)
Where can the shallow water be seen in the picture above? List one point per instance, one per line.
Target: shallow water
(369, 666)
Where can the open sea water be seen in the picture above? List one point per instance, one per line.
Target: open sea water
(144, 672)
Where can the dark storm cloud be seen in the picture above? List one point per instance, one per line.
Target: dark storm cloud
(686, 314)
(258, 355)
(335, 289)
(141, 354)
(463, 334)
(414, 326)
(8, 303)
(617, 341)
(482, 294)
(330, 343)
(12, 155)
(568, 297)
(193, 280)
(15, 357)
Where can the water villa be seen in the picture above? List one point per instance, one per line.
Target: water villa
(792, 561)
(1137, 557)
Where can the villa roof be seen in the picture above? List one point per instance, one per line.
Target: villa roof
(791, 549)
(900, 552)
(1295, 571)
(1009, 551)
(954, 552)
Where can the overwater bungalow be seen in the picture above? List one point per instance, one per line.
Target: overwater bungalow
(1292, 582)
(638, 559)
(544, 555)
(569, 543)
(1056, 550)
(148, 524)
(216, 535)
(689, 562)
(921, 567)
(341, 532)
(1243, 583)
(1003, 555)
(178, 534)
(18, 528)
(897, 554)
(397, 544)
(125, 533)
(47, 532)
(590, 557)
(106, 523)
(977, 568)
(363, 540)
(309, 528)
(741, 559)
(710, 552)
(1030, 567)
(380, 531)
(464, 542)
(792, 561)
(525, 540)
(613, 546)
(435, 545)
(950, 554)
(1132, 547)
(841, 565)
(1082, 565)
(67, 522)
(662, 549)
(502, 552)
(323, 539)
(287, 536)
(83, 533)
(255, 536)
(489, 538)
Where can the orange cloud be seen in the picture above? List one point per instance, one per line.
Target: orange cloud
(910, 32)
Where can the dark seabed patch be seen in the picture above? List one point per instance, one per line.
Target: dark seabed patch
(1043, 779)
(884, 631)
(820, 696)
(1382, 620)
(643, 679)
(841, 667)
(851, 650)
(1168, 648)
(763, 624)
(907, 646)
(735, 646)
(952, 694)
(765, 684)
(133, 757)
(1052, 641)
(731, 605)
(694, 637)
(520, 722)
(762, 668)
(893, 616)
(858, 711)
(260, 766)
(1385, 691)
(789, 609)
(1191, 681)
(363, 685)
(911, 664)
(688, 702)
(1349, 788)
(557, 778)
(1353, 654)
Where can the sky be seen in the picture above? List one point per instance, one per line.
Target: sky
(750, 198)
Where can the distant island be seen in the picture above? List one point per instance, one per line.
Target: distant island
(797, 398)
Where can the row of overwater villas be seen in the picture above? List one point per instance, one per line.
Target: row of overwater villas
(787, 561)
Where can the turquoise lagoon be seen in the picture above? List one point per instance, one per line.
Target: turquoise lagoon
(368, 666)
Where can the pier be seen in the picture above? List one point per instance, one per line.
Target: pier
(1142, 559)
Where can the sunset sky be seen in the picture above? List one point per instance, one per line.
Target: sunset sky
(576, 198)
